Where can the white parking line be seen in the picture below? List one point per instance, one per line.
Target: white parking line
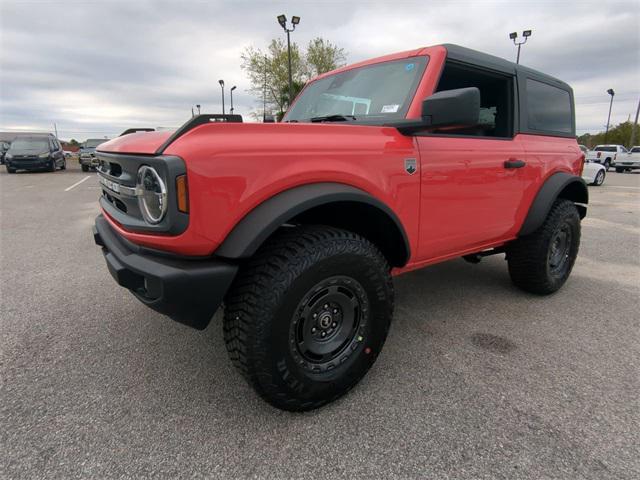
(77, 183)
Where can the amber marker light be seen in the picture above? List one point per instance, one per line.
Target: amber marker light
(182, 191)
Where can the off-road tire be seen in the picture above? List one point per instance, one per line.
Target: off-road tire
(263, 313)
(84, 168)
(529, 257)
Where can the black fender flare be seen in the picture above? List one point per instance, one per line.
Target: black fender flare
(558, 185)
(260, 223)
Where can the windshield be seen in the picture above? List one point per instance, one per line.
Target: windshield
(380, 91)
(93, 143)
(30, 143)
(635, 150)
(605, 149)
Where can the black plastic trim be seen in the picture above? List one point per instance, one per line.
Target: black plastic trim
(168, 166)
(247, 236)
(196, 122)
(186, 291)
(548, 193)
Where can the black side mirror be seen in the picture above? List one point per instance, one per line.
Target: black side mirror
(459, 108)
(453, 109)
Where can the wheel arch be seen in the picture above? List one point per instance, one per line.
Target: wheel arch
(333, 204)
(559, 185)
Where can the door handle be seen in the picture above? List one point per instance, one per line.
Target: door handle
(514, 163)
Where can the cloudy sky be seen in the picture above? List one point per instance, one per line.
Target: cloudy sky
(98, 67)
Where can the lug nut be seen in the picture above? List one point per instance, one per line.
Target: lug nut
(323, 334)
(334, 324)
(315, 315)
(326, 305)
(313, 329)
(335, 310)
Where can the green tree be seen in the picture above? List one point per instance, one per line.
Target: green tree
(268, 70)
(618, 135)
(323, 56)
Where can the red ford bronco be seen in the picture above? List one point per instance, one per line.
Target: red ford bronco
(377, 169)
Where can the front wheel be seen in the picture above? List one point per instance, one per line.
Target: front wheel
(10, 170)
(85, 168)
(542, 261)
(599, 180)
(308, 316)
(619, 170)
(64, 164)
(52, 165)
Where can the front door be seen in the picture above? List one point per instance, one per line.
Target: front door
(472, 180)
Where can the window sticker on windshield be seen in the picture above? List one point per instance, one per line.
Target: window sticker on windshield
(389, 108)
(409, 66)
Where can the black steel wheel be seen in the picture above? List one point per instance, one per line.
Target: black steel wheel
(328, 323)
(308, 316)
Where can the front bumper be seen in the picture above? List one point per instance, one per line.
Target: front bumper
(188, 291)
(89, 161)
(29, 164)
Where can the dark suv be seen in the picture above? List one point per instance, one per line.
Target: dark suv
(35, 152)
(87, 156)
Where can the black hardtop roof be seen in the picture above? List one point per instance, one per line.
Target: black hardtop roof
(468, 55)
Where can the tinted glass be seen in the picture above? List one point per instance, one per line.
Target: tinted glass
(383, 90)
(635, 150)
(548, 107)
(605, 149)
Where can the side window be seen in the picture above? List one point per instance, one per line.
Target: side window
(548, 108)
(496, 98)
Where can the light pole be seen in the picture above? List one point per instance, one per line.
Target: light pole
(221, 82)
(514, 35)
(606, 133)
(282, 20)
(198, 107)
(231, 91)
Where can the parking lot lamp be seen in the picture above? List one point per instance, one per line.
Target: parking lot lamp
(606, 133)
(231, 91)
(514, 36)
(221, 82)
(282, 20)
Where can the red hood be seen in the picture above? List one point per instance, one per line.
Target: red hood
(141, 142)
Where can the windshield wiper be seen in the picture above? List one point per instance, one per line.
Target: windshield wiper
(332, 118)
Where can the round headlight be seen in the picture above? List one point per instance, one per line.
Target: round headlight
(152, 195)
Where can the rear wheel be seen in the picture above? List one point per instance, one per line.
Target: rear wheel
(10, 170)
(85, 168)
(308, 316)
(52, 165)
(542, 261)
(619, 170)
(607, 164)
(64, 164)
(599, 180)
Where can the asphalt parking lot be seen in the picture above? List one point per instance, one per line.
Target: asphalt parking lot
(477, 379)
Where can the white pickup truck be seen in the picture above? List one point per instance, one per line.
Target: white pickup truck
(606, 154)
(628, 161)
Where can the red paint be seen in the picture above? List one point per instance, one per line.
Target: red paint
(460, 201)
